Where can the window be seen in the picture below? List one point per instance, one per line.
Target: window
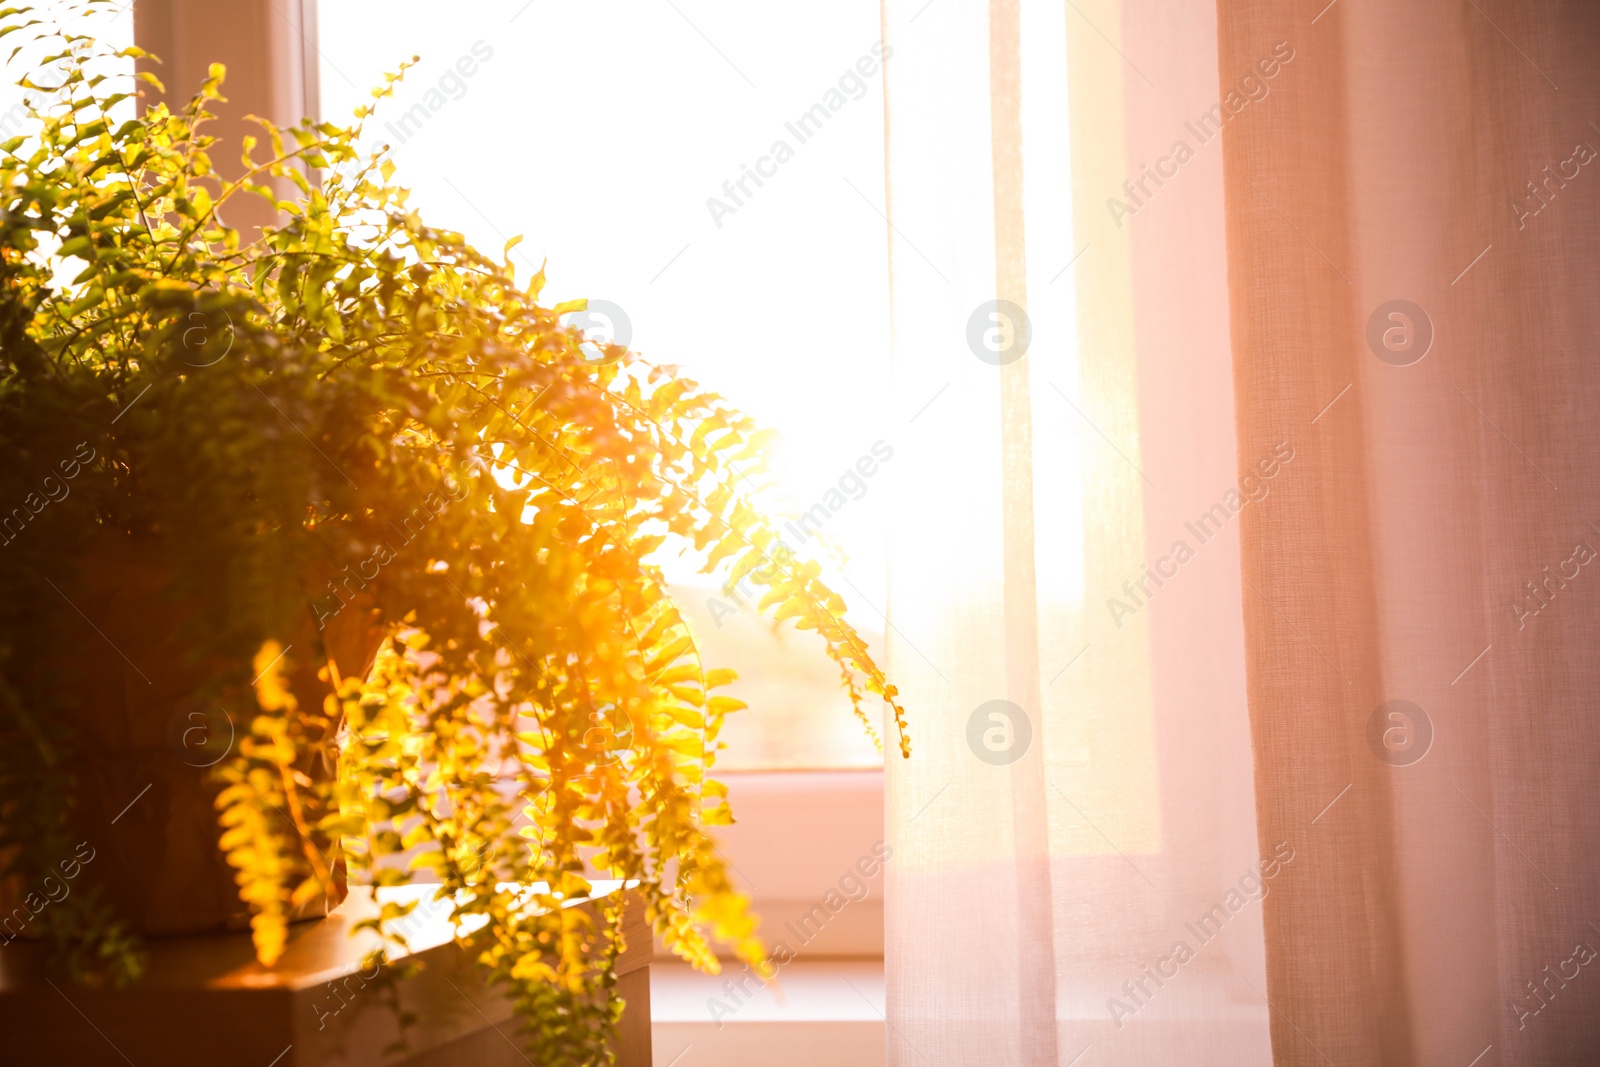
(713, 182)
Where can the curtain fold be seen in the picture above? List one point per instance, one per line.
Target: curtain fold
(1412, 285)
(1242, 585)
(1078, 802)
(1035, 911)
(1308, 591)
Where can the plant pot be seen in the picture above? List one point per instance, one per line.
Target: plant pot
(146, 743)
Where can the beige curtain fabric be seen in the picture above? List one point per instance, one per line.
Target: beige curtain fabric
(1075, 877)
(1412, 280)
(1247, 358)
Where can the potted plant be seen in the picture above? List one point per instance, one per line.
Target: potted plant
(336, 545)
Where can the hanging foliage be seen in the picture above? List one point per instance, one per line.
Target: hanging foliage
(355, 415)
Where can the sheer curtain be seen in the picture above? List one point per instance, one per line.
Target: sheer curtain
(1241, 582)
(1075, 870)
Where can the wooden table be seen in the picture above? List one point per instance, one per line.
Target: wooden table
(204, 1001)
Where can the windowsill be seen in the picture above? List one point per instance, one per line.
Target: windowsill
(802, 840)
(828, 1011)
(798, 845)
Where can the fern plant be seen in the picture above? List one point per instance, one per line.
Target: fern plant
(357, 415)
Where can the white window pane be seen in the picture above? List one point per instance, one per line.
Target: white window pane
(600, 132)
